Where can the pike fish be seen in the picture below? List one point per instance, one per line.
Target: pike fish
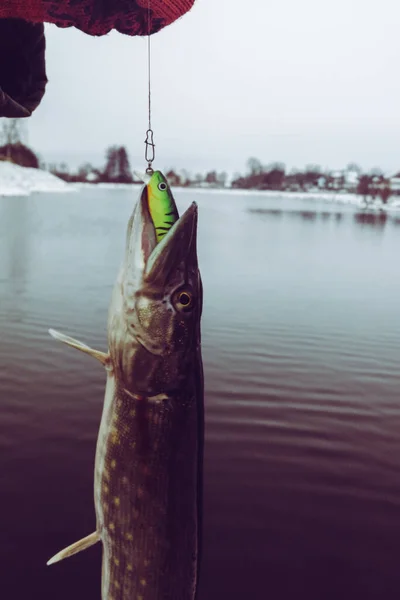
(148, 465)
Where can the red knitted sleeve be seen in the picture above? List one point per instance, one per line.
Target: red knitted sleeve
(98, 17)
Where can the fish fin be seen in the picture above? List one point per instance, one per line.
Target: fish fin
(145, 177)
(82, 544)
(66, 339)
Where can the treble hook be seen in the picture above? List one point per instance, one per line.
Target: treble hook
(150, 152)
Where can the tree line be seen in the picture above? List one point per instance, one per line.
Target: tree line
(314, 178)
(274, 176)
(117, 169)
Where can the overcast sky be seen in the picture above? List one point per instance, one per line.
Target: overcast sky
(297, 82)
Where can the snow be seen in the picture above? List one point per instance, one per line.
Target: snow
(105, 186)
(334, 197)
(91, 176)
(23, 181)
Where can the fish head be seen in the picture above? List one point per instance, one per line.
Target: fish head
(154, 318)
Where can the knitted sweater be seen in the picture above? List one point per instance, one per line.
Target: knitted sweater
(98, 17)
(22, 42)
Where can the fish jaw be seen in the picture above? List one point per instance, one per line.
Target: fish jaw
(154, 316)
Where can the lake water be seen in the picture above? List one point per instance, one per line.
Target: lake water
(301, 347)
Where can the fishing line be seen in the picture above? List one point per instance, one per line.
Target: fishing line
(150, 151)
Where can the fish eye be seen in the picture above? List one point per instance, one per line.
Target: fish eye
(184, 300)
(162, 186)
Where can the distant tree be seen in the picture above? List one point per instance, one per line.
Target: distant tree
(376, 172)
(311, 175)
(239, 182)
(11, 132)
(60, 171)
(313, 169)
(173, 178)
(125, 168)
(364, 183)
(41, 162)
(221, 178)
(211, 177)
(300, 179)
(214, 178)
(12, 148)
(352, 166)
(329, 180)
(117, 169)
(111, 168)
(84, 170)
(254, 166)
(270, 177)
(186, 178)
(290, 181)
(280, 166)
(20, 155)
(274, 179)
(385, 194)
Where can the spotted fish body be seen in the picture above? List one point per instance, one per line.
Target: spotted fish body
(147, 500)
(148, 467)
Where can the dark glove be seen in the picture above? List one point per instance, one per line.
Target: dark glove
(22, 67)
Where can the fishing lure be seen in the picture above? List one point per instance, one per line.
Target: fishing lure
(161, 204)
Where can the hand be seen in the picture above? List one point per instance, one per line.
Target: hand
(22, 67)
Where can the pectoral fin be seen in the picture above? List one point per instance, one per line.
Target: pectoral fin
(142, 176)
(101, 356)
(86, 542)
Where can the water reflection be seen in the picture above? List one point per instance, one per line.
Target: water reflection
(378, 220)
(308, 215)
(375, 219)
(15, 229)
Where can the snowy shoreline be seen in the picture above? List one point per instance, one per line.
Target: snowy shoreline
(23, 181)
(331, 197)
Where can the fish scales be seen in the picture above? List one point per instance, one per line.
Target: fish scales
(147, 506)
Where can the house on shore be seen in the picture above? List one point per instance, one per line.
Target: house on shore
(351, 179)
(394, 183)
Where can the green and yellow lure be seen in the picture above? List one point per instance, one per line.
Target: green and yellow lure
(161, 204)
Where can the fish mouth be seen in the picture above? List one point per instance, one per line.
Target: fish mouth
(156, 259)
